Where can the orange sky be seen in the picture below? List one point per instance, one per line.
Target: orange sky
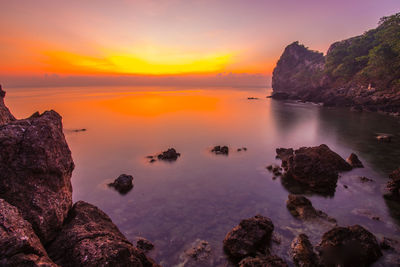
(151, 38)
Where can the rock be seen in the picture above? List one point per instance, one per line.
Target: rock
(123, 184)
(249, 237)
(5, 114)
(35, 171)
(275, 169)
(220, 150)
(263, 261)
(302, 208)
(90, 238)
(169, 155)
(199, 251)
(252, 98)
(388, 244)
(365, 179)
(152, 160)
(79, 130)
(144, 244)
(354, 161)
(393, 186)
(303, 252)
(314, 168)
(19, 245)
(348, 246)
(384, 138)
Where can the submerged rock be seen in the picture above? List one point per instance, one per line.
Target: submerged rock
(354, 161)
(19, 245)
(220, 150)
(349, 246)
(5, 114)
(169, 155)
(90, 238)
(303, 252)
(314, 168)
(393, 186)
(263, 261)
(123, 184)
(35, 171)
(302, 208)
(144, 244)
(249, 237)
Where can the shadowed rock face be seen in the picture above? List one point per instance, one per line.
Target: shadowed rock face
(19, 244)
(35, 171)
(314, 168)
(5, 114)
(303, 252)
(249, 237)
(349, 246)
(90, 238)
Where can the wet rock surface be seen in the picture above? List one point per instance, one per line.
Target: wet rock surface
(220, 150)
(35, 171)
(123, 184)
(90, 238)
(348, 246)
(303, 253)
(19, 245)
(302, 208)
(169, 155)
(263, 261)
(315, 169)
(5, 114)
(354, 161)
(248, 238)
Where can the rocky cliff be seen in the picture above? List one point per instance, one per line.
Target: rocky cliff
(361, 72)
(39, 225)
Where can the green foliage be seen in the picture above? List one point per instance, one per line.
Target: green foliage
(373, 57)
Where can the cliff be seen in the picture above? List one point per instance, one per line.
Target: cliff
(362, 72)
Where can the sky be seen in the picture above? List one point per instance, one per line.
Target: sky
(232, 42)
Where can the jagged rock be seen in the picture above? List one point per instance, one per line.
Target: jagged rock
(303, 252)
(314, 168)
(35, 171)
(144, 244)
(263, 261)
(19, 245)
(393, 186)
(169, 155)
(220, 150)
(90, 238)
(348, 246)
(5, 114)
(249, 237)
(354, 161)
(123, 184)
(302, 208)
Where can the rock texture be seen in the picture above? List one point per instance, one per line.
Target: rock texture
(19, 244)
(303, 252)
(349, 246)
(249, 237)
(314, 168)
(90, 238)
(220, 150)
(123, 184)
(393, 186)
(35, 171)
(263, 261)
(354, 161)
(5, 114)
(169, 155)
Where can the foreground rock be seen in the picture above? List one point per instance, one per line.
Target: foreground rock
(35, 171)
(123, 184)
(220, 150)
(302, 208)
(90, 238)
(19, 245)
(169, 155)
(349, 246)
(263, 261)
(354, 161)
(303, 252)
(393, 186)
(5, 114)
(248, 238)
(314, 168)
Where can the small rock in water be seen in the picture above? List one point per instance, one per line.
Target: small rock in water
(123, 184)
(220, 150)
(354, 161)
(149, 157)
(239, 149)
(169, 155)
(345, 186)
(252, 98)
(144, 244)
(384, 138)
(302, 208)
(365, 179)
(393, 186)
(199, 251)
(79, 130)
(152, 160)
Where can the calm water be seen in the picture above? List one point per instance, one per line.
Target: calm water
(201, 195)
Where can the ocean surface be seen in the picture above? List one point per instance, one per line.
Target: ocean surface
(201, 196)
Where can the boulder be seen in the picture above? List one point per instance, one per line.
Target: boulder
(90, 238)
(393, 186)
(348, 246)
(303, 252)
(123, 184)
(169, 155)
(19, 245)
(220, 150)
(263, 261)
(35, 171)
(354, 161)
(302, 208)
(314, 168)
(5, 114)
(249, 237)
